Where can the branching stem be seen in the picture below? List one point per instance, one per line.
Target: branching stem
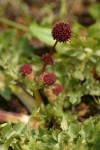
(51, 52)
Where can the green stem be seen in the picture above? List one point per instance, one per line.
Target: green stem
(84, 64)
(38, 97)
(13, 24)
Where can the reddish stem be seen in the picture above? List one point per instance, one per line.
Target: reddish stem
(51, 52)
(43, 68)
(53, 48)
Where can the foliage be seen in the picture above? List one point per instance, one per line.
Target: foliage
(74, 61)
(71, 135)
(94, 10)
(77, 67)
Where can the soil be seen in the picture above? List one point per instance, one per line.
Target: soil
(87, 108)
(14, 105)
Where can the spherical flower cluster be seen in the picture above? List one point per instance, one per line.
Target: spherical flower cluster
(58, 89)
(26, 69)
(46, 58)
(49, 79)
(61, 32)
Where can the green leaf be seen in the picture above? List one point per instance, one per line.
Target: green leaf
(64, 124)
(78, 75)
(41, 33)
(94, 30)
(74, 99)
(7, 131)
(94, 10)
(6, 93)
(73, 131)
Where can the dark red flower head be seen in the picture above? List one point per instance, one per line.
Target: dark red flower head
(46, 58)
(49, 78)
(58, 89)
(26, 69)
(61, 32)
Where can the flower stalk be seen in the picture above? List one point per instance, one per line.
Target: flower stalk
(50, 54)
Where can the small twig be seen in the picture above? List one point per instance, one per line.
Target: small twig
(16, 118)
(13, 117)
